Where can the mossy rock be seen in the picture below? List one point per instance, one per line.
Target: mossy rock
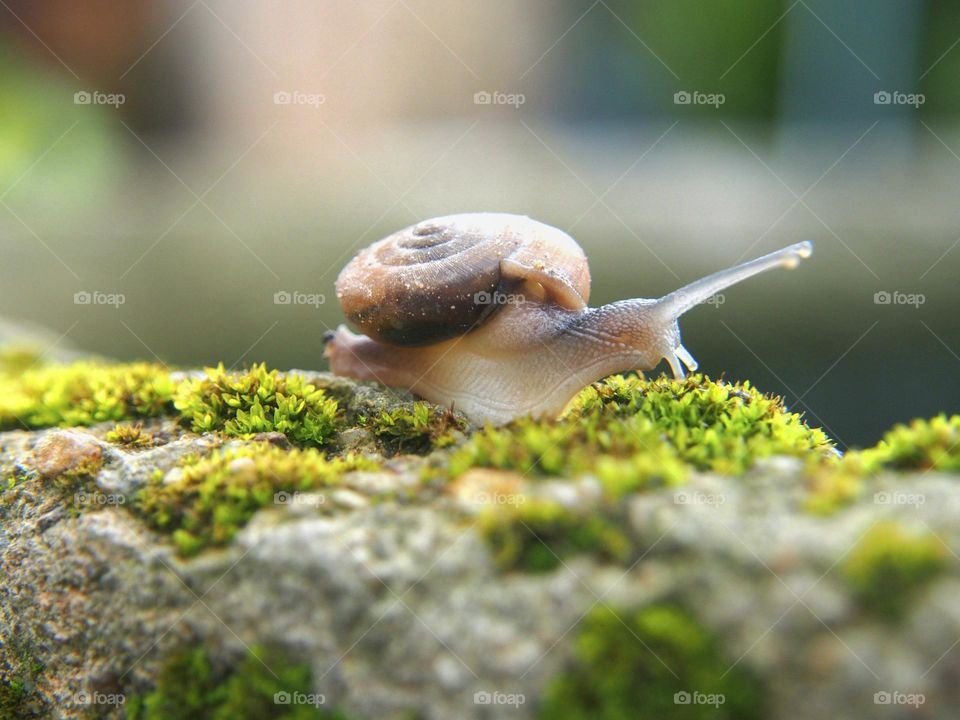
(890, 566)
(211, 498)
(402, 595)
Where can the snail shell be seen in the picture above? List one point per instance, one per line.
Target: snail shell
(429, 300)
(440, 279)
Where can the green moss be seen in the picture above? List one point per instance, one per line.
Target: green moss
(80, 476)
(236, 403)
(419, 428)
(83, 393)
(632, 665)
(922, 445)
(12, 695)
(258, 400)
(72, 484)
(537, 535)
(622, 419)
(131, 436)
(833, 483)
(889, 567)
(216, 496)
(631, 432)
(18, 676)
(19, 358)
(932, 444)
(713, 424)
(626, 453)
(190, 686)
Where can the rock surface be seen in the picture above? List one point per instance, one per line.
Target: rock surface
(388, 592)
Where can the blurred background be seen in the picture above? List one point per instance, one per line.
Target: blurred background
(168, 168)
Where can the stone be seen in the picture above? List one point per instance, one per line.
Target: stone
(65, 451)
(394, 601)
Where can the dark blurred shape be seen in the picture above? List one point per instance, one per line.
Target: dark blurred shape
(633, 69)
(832, 58)
(839, 70)
(96, 40)
(107, 45)
(941, 57)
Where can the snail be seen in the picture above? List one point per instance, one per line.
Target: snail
(487, 313)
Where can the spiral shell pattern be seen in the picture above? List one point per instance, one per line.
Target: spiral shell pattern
(435, 280)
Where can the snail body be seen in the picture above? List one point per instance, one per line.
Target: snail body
(488, 313)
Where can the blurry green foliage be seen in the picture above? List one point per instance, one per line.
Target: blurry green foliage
(264, 685)
(617, 73)
(734, 47)
(932, 444)
(83, 393)
(647, 664)
(890, 566)
(941, 57)
(537, 536)
(38, 112)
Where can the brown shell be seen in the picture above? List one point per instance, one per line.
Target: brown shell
(441, 278)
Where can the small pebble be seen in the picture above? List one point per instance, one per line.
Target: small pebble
(349, 499)
(61, 451)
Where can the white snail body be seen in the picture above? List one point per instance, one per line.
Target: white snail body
(487, 313)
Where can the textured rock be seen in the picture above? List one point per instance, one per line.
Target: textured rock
(386, 589)
(65, 451)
